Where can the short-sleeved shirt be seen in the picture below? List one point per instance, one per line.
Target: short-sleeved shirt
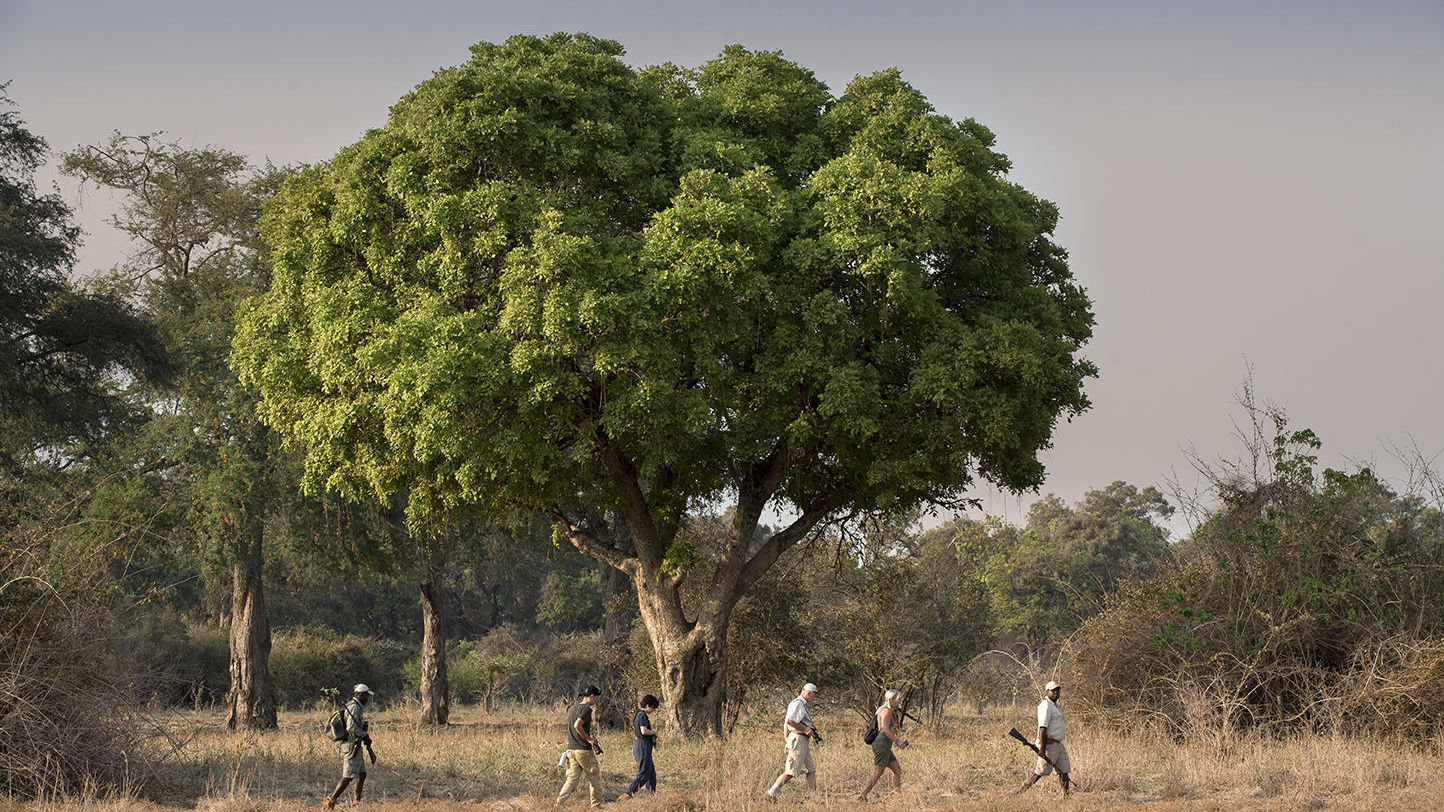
(355, 721)
(797, 712)
(1050, 717)
(581, 711)
(640, 721)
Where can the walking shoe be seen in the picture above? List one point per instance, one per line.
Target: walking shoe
(329, 803)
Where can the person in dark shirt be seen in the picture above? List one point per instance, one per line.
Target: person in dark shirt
(582, 748)
(642, 749)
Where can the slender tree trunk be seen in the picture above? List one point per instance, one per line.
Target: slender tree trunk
(435, 692)
(252, 697)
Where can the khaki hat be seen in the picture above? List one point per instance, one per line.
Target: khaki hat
(1050, 686)
(810, 687)
(362, 688)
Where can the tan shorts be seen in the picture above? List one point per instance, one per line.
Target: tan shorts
(1059, 755)
(799, 757)
(353, 762)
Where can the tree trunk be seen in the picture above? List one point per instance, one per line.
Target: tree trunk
(435, 692)
(691, 660)
(252, 696)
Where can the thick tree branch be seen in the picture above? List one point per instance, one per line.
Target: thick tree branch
(587, 542)
(782, 541)
(647, 538)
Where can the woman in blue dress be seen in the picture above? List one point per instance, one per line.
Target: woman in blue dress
(642, 749)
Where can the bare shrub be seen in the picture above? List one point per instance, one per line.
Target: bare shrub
(1306, 600)
(64, 720)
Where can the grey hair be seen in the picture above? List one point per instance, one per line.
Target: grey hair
(890, 694)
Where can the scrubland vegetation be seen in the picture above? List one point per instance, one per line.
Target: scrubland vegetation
(439, 480)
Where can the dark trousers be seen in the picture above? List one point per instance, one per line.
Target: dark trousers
(646, 770)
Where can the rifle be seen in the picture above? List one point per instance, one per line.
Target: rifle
(1020, 737)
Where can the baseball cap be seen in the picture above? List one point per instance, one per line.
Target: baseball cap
(362, 688)
(810, 687)
(590, 690)
(1050, 686)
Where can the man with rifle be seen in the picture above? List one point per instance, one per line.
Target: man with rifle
(353, 764)
(798, 731)
(1051, 729)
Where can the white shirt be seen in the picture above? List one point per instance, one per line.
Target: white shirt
(797, 712)
(1050, 717)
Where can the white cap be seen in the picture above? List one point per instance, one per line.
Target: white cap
(1050, 686)
(362, 688)
(810, 687)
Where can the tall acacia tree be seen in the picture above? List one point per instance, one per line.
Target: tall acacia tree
(192, 216)
(554, 281)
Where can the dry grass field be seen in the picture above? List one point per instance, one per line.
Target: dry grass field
(507, 761)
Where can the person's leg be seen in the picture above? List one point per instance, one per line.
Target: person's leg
(574, 775)
(812, 783)
(360, 782)
(776, 785)
(336, 793)
(896, 775)
(1063, 779)
(1032, 779)
(651, 768)
(594, 777)
(871, 782)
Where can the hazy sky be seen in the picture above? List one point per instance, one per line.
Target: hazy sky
(1242, 184)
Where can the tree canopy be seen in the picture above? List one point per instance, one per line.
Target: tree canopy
(548, 266)
(61, 347)
(553, 281)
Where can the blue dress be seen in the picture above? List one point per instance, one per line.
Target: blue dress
(642, 752)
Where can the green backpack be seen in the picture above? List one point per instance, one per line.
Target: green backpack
(335, 727)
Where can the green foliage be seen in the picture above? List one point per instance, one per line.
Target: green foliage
(510, 664)
(62, 349)
(1045, 578)
(307, 661)
(1308, 599)
(546, 256)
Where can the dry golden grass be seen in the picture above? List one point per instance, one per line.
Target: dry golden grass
(507, 761)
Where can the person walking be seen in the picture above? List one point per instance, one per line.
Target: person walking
(353, 764)
(1051, 730)
(642, 749)
(882, 746)
(582, 749)
(797, 729)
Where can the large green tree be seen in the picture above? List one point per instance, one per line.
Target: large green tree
(553, 281)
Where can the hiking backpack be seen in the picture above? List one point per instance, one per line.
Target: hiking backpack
(335, 727)
(871, 735)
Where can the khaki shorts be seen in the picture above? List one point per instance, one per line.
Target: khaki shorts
(353, 763)
(799, 757)
(1059, 755)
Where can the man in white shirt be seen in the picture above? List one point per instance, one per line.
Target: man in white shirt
(797, 731)
(1051, 730)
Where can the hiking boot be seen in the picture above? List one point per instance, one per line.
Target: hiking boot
(329, 803)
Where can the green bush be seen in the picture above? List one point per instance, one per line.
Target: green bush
(509, 664)
(305, 661)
